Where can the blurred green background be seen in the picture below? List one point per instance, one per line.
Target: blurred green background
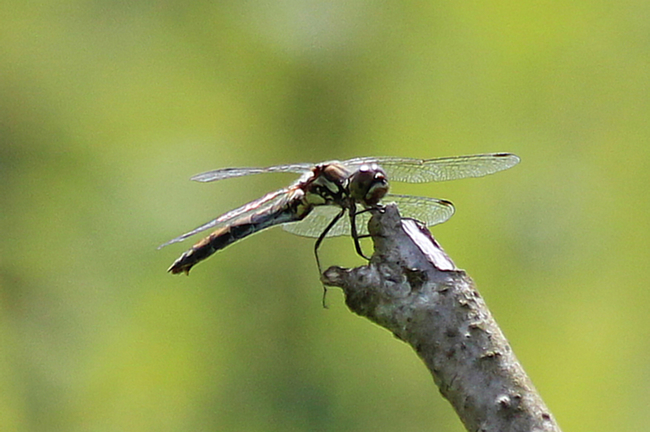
(107, 108)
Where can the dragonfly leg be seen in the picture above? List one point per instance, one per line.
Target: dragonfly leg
(378, 208)
(317, 245)
(355, 234)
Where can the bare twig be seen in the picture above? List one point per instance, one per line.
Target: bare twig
(414, 290)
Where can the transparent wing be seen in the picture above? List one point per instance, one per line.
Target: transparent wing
(398, 169)
(430, 211)
(268, 201)
(224, 173)
(440, 169)
(316, 222)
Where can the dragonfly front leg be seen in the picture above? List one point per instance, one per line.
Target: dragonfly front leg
(355, 234)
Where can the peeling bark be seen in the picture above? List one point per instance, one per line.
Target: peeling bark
(413, 289)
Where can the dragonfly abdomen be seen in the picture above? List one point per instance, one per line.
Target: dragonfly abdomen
(229, 234)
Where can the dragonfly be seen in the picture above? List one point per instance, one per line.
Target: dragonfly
(316, 203)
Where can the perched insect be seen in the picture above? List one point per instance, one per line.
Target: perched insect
(315, 204)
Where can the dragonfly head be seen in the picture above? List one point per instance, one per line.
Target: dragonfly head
(368, 184)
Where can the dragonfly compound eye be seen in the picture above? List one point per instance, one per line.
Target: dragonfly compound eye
(369, 184)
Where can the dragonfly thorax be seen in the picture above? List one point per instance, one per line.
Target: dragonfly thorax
(328, 185)
(336, 184)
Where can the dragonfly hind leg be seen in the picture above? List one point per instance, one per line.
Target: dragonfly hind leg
(320, 239)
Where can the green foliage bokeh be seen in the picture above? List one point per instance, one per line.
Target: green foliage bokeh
(107, 108)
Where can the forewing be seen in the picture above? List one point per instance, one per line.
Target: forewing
(224, 173)
(440, 169)
(398, 169)
(269, 200)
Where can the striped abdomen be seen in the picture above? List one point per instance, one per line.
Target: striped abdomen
(237, 230)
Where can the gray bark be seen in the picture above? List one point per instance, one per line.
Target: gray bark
(414, 290)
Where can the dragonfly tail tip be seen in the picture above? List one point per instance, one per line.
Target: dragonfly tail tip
(177, 269)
